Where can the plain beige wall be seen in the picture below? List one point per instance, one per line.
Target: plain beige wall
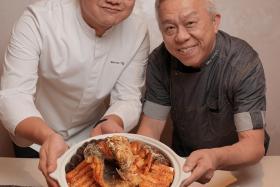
(256, 21)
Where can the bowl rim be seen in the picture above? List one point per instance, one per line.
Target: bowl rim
(176, 161)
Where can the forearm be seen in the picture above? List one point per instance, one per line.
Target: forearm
(151, 127)
(249, 150)
(34, 129)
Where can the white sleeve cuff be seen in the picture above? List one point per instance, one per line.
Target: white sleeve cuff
(129, 112)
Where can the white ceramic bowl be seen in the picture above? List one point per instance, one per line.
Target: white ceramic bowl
(177, 162)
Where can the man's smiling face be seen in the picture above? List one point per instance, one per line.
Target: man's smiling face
(103, 14)
(188, 29)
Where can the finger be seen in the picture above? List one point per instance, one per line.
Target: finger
(43, 165)
(52, 156)
(54, 153)
(203, 180)
(51, 182)
(206, 177)
(209, 175)
(43, 162)
(197, 172)
(191, 162)
(51, 162)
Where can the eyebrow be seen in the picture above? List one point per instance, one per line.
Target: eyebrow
(167, 21)
(184, 16)
(194, 13)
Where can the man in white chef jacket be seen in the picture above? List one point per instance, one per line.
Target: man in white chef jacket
(64, 58)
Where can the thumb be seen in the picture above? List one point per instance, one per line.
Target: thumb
(190, 164)
(188, 167)
(51, 163)
(52, 158)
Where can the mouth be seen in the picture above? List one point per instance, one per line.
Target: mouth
(111, 10)
(187, 50)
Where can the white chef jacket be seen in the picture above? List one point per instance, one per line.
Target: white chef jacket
(56, 68)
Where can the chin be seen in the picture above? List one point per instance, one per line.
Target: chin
(190, 63)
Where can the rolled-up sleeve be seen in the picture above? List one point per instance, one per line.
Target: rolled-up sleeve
(126, 95)
(156, 111)
(157, 101)
(19, 78)
(249, 98)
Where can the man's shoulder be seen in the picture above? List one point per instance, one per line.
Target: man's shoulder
(234, 44)
(44, 5)
(52, 11)
(51, 14)
(236, 51)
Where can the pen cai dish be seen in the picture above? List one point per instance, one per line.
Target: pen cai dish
(117, 161)
(120, 160)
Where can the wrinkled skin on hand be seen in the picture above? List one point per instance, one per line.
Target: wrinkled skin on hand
(202, 163)
(106, 127)
(51, 150)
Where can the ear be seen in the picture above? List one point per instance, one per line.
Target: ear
(216, 21)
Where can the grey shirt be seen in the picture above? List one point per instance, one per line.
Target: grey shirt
(239, 80)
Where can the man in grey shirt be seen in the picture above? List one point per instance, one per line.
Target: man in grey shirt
(213, 85)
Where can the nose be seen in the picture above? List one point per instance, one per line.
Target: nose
(182, 35)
